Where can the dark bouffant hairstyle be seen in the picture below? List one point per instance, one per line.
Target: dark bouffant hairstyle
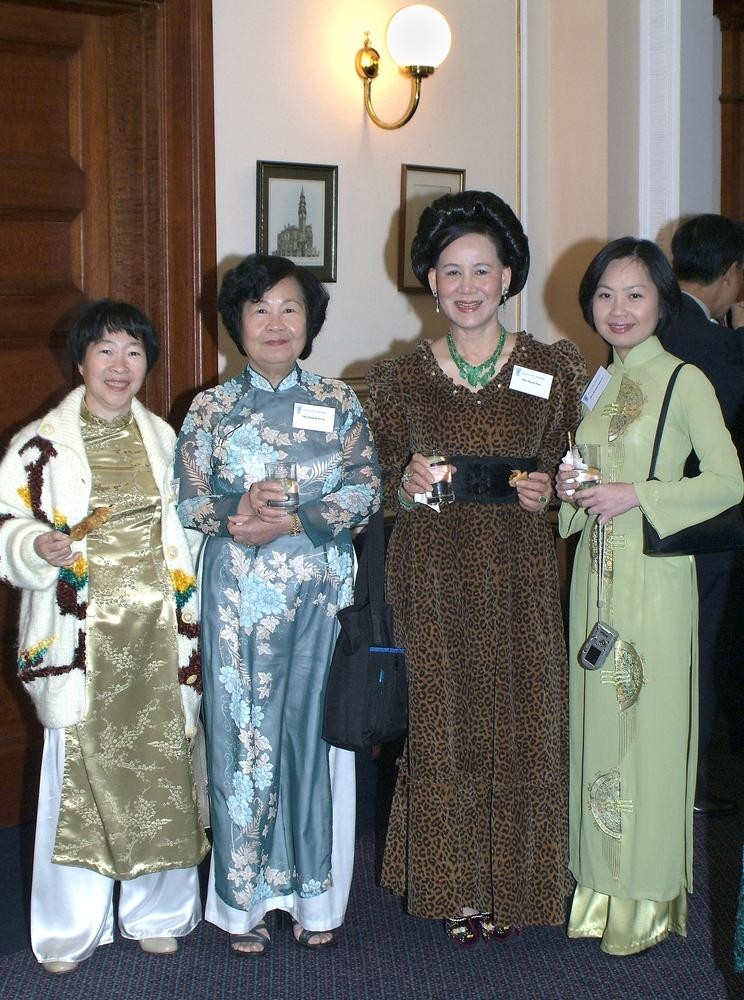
(107, 316)
(705, 247)
(252, 277)
(659, 270)
(456, 215)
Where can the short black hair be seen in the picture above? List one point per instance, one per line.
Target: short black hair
(705, 246)
(456, 215)
(109, 316)
(252, 277)
(659, 271)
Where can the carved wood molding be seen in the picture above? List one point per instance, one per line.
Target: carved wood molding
(730, 13)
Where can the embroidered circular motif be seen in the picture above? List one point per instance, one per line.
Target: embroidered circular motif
(628, 675)
(604, 802)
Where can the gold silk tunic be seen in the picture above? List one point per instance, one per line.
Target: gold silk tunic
(128, 802)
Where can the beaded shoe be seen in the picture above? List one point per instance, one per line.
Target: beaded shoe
(463, 931)
(490, 929)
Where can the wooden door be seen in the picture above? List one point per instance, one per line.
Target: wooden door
(731, 15)
(106, 188)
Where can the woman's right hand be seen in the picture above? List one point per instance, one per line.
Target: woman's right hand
(54, 547)
(417, 476)
(565, 482)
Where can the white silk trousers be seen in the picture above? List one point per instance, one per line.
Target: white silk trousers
(72, 908)
(320, 913)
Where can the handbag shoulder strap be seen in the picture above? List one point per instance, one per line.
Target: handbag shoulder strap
(370, 579)
(662, 418)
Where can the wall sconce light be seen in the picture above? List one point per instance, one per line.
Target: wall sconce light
(418, 38)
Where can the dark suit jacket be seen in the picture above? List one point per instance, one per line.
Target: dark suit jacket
(719, 352)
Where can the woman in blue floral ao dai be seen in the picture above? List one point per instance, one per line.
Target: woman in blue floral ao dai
(282, 801)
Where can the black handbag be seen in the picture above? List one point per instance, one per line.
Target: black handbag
(367, 691)
(717, 534)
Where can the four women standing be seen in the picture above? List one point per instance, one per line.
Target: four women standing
(477, 832)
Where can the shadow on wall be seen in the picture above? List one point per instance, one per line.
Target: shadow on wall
(420, 303)
(230, 362)
(560, 298)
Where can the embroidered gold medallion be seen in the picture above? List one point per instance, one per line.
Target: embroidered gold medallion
(626, 408)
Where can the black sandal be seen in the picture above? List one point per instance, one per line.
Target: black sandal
(463, 931)
(252, 937)
(304, 938)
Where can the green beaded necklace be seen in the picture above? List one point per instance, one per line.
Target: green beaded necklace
(477, 375)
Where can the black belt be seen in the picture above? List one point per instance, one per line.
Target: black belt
(486, 480)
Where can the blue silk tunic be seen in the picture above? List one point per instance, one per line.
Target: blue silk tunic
(269, 619)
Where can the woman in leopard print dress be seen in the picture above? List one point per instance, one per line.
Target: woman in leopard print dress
(477, 833)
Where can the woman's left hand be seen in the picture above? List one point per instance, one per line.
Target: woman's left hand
(252, 529)
(606, 500)
(534, 493)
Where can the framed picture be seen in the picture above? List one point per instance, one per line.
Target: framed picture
(419, 187)
(296, 212)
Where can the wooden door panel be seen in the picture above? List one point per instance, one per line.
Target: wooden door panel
(106, 189)
(42, 198)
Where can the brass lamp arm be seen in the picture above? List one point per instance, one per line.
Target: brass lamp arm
(410, 110)
(368, 66)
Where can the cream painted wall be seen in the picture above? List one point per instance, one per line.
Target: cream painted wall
(581, 170)
(700, 141)
(286, 89)
(565, 197)
(579, 183)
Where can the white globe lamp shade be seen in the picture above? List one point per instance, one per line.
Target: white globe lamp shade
(418, 35)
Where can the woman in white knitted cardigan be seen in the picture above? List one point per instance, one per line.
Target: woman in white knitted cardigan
(107, 651)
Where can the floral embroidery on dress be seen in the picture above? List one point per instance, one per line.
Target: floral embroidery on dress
(270, 619)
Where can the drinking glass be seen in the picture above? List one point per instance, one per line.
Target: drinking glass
(589, 472)
(284, 473)
(441, 491)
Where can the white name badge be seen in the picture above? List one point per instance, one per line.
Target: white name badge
(595, 388)
(532, 382)
(311, 417)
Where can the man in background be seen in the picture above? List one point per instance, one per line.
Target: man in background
(707, 257)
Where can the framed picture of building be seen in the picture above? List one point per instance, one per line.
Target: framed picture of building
(419, 187)
(296, 214)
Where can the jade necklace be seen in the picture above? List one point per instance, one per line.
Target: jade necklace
(477, 375)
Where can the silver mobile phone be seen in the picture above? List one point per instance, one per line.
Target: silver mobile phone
(597, 647)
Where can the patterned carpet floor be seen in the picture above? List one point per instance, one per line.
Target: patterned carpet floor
(382, 953)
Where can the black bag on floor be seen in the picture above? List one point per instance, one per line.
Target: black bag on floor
(367, 692)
